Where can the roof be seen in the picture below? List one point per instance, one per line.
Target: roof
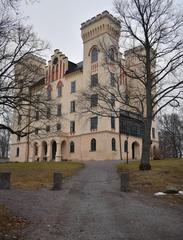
(73, 67)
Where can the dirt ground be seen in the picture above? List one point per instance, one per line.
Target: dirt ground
(90, 206)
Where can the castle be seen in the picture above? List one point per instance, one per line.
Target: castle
(70, 135)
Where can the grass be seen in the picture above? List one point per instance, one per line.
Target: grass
(164, 173)
(36, 175)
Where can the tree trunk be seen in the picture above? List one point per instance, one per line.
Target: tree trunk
(146, 147)
(120, 148)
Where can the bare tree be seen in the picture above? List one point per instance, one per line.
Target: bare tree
(171, 135)
(21, 69)
(152, 47)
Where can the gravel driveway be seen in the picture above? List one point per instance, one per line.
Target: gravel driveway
(90, 206)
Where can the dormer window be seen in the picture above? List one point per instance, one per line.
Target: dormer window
(94, 55)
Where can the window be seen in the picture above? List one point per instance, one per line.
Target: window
(112, 122)
(94, 55)
(19, 120)
(18, 138)
(153, 132)
(126, 146)
(73, 87)
(36, 131)
(49, 94)
(17, 152)
(94, 100)
(111, 54)
(94, 80)
(37, 115)
(113, 80)
(72, 147)
(59, 91)
(93, 145)
(94, 123)
(47, 128)
(48, 114)
(72, 126)
(112, 100)
(113, 143)
(58, 126)
(73, 106)
(59, 110)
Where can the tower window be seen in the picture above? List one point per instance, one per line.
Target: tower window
(59, 110)
(59, 91)
(94, 55)
(73, 87)
(94, 123)
(94, 80)
(112, 122)
(94, 100)
(73, 106)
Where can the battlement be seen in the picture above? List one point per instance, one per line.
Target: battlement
(99, 17)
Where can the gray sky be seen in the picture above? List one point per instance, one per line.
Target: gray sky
(59, 21)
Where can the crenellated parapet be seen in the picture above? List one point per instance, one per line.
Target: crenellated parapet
(102, 23)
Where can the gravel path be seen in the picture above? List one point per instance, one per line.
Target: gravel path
(90, 206)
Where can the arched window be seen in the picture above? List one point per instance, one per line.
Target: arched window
(93, 145)
(72, 147)
(17, 152)
(94, 55)
(113, 143)
(126, 146)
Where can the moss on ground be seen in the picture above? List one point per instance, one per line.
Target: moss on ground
(164, 173)
(35, 175)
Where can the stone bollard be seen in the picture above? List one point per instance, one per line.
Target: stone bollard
(57, 180)
(5, 180)
(124, 181)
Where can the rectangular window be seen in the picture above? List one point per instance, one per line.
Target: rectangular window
(112, 100)
(19, 120)
(36, 131)
(59, 91)
(58, 126)
(94, 80)
(73, 105)
(94, 100)
(113, 81)
(47, 128)
(48, 114)
(112, 122)
(49, 94)
(72, 126)
(17, 152)
(59, 110)
(93, 123)
(37, 115)
(153, 132)
(18, 138)
(73, 87)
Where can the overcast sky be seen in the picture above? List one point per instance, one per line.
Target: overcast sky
(59, 21)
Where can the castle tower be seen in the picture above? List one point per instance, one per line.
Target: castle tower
(98, 32)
